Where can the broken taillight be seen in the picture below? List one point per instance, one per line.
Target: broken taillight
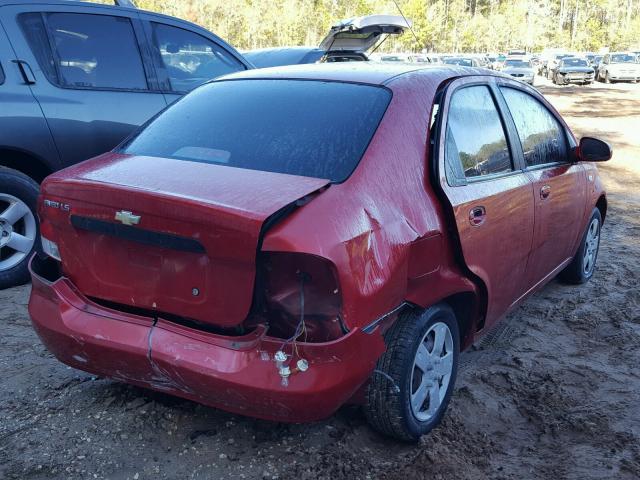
(301, 297)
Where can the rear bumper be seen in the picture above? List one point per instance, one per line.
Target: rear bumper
(236, 374)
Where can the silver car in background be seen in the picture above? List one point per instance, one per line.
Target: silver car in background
(519, 69)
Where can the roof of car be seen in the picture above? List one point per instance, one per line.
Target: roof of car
(360, 72)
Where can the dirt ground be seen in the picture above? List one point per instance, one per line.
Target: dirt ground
(554, 392)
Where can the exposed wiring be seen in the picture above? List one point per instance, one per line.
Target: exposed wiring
(301, 328)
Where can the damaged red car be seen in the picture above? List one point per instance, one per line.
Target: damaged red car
(281, 242)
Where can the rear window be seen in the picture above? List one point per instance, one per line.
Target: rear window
(308, 128)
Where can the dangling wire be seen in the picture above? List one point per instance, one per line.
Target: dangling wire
(301, 327)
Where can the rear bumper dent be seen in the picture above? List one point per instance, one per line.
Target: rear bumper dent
(237, 374)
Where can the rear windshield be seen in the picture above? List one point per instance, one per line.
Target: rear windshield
(308, 128)
(517, 64)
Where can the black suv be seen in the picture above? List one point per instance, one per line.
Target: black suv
(76, 79)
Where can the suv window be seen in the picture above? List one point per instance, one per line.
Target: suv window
(298, 127)
(190, 59)
(475, 138)
(89, 51)
(543, 138)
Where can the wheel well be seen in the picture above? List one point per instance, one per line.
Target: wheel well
(24, 162)
(465, 306)
(601, 205)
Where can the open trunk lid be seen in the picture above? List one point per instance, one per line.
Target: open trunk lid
(175, 237)
(360, 34)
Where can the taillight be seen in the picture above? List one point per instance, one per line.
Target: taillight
(47, 234)
(301, 297)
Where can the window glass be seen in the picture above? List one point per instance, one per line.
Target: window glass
(190, 59)
(308, 128)
(475, 138)
(91, 51)
(32, 26)
(542, 137)
(1, 75)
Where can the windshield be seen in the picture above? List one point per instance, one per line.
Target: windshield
(465, 62)
(517, 64)
(308, 128)
(574, 62)
(623, 58)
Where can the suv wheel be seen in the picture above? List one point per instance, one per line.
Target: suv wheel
(581, 268)
(18, 226)
(413, 381)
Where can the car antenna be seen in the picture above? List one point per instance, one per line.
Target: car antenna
(407, 22)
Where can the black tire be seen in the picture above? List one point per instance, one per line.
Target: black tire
(388, 399)
(577, 272)
(24, 188)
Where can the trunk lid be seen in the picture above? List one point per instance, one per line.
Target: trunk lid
(359, 34)
(185, 238)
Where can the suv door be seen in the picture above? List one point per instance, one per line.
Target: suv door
(89, 75)
(185, 56)
(491, 198)
(22, 125)
(559, 185)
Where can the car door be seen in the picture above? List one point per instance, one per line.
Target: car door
(22, 125)
(559, 184)
(491, 198)
(185, 56)
(89, 74)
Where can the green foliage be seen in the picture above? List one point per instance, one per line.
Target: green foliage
(439, 25)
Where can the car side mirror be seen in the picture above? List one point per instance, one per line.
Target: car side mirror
(593, 150)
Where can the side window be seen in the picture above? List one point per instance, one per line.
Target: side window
(89, 51)
(543, 138)
(475, 142)
(190, 59)
(1, 75)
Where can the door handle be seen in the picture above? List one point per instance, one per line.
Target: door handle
(545, 191)
(26, 72)
(477, 216)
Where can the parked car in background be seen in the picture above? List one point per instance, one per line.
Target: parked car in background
(498, 62)
(549, 70)
(594, 61)
(462, 61)
(347, 41)
(573, 70)
(77, 79)
(619, 67)
(520, 69)
(283, 241)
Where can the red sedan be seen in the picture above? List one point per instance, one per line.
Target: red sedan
(281, 242)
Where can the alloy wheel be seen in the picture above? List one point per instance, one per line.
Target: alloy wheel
(431, 373)
(18, 231)
(592, 243)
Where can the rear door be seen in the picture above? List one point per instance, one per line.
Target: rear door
(490, 195)
(89, 73)
(559, 185)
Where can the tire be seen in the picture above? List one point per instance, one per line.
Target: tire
(18, 226)
(583, 265)
(398, 378)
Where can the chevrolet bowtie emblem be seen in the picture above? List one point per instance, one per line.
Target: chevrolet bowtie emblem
(127, 218)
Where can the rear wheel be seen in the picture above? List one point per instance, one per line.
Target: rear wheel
(413, 382)
(581, 268)
(18, 226)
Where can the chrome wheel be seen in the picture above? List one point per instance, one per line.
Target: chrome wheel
(18, 231)
(592, 243)
(431, 373)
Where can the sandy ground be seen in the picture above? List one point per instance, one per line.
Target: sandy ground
(554, 392)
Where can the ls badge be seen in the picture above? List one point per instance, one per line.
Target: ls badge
(127, 218)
